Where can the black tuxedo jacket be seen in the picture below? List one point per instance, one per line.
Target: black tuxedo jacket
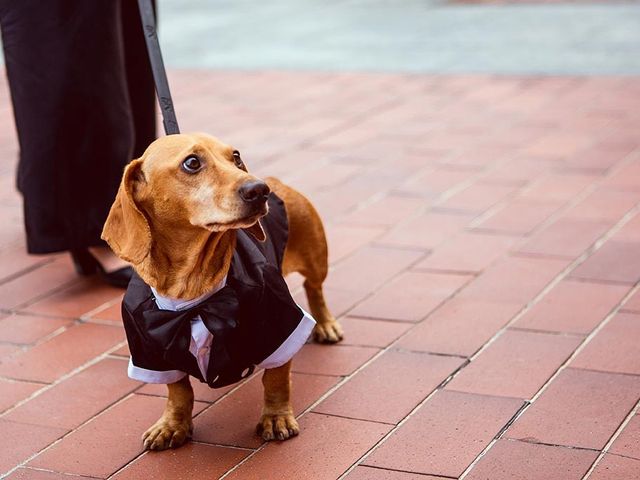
(249, 318)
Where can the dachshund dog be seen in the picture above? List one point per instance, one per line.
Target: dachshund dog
(177, 218)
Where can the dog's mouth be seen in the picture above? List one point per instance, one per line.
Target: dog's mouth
(250, 217)
(243, 222)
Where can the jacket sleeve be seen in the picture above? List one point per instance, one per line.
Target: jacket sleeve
(286, 327)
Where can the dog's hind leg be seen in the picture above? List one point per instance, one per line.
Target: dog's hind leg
(327, 329)
(175, 426)
(307, 254)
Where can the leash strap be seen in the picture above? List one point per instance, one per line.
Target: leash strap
(157, 66)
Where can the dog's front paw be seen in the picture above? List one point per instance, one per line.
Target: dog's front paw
(277, 427)
(327, 332)
(167, 434)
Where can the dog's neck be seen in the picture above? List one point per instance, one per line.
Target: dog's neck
(176, 305)
(185, 264)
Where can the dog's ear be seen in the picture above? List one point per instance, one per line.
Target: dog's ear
(127, 230)
(256, 231)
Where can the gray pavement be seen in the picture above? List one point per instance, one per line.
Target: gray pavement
(422, 36)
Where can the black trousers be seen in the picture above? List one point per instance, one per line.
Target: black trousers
(84, 106)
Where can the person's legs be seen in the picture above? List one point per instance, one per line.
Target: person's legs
(141, 98)
(70, 93)
(142, 95)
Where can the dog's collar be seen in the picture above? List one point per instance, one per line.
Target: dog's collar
(176, 304)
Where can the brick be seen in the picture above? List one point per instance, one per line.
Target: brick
(193, 460)
(32, 474)
(339, 300)
(628, 442)
(580, 408)
(443, 138)
(434, 182)
(514, 279)
(557, 145)
(61, 354)
(630, 231)
(76, 399)
(7, 350)
(20, 441)
(369, 268)
(410, 296)
(426, 231)
(513, 460)
(339, 201)
(478, 197)
(623, 331)
(327, 447)
(123, 351)
(573, 307)
(107, 442)
(331, 359)
(384, 212)
(446, 434)
(478, 157)
(467, 252)
(459, 327)
(27, 329)
(346, 239)
(371, 333)
(392, 385)
(377, 177)
(232, 421)
(614, 467)
(565, 238)
(604, 205)
(12, 392)
(519, 217)
(600, 157)
(519, 171)
(515, 365)
(616, 261)
(111, 313)
(473, 129)
(294, 281)
(370, 473)
(77, 299)
(324, 176)
(558, 187)
(626, 178)
(14, 260)
(37, 283)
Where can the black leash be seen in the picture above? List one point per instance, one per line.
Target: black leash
(157, 66)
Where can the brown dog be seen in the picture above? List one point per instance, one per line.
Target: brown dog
(175, 220)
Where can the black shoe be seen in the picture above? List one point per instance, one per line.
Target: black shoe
(86, 264)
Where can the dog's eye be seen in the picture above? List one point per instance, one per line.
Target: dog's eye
(237, 160)
(191, 164)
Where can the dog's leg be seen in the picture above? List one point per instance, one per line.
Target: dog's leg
(175, 426)
(277, 421)
(327, 329)
(307, 253)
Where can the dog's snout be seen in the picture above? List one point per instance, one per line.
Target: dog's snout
(254, 192)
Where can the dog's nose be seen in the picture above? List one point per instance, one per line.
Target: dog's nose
(254, 192)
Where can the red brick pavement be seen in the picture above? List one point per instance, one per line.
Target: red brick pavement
(485, 257)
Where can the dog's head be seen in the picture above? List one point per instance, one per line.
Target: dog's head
(186, 181)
